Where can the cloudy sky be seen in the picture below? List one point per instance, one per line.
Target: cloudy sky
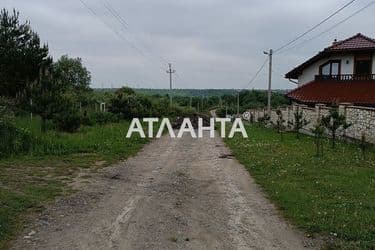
(211, 43)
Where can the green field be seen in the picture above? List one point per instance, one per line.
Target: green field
(333, 196)
(27, 182)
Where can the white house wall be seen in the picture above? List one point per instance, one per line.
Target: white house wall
(347, 66)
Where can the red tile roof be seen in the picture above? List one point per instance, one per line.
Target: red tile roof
(328, 92)
(355, 43)
(358, 41)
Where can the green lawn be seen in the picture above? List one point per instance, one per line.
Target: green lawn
(28, 182)
(333, 196)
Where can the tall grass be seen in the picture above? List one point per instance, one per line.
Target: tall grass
(14, 140)
(25, 137)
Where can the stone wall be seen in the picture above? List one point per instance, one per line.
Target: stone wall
(362, 119)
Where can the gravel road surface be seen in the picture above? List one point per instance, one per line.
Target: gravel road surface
(175, 194)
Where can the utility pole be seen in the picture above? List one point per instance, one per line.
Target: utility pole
(238, 103)
(170, 72)
(202, 103)
(269, 93)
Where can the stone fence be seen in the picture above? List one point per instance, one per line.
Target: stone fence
(362, 119)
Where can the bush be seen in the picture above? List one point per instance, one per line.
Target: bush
(14, 140)
(160, 107)
(174, 111)
(104, 117)
(188, 112)
(87, 119)
(129, 106)
(67, 121)
(221, 112)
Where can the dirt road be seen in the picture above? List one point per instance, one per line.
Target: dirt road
(175, 194)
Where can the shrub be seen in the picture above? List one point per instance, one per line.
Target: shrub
(14, 140)
(188, 112)
(104, 117)
(67, 121)
(280, 123)
(174, 111)
(130, 106)
(160, 107)
(299, 122)
(87, 119)
(223, 111)
(318, 131)
(333, 122)
(264, 120)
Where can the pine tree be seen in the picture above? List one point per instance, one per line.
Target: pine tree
(21, 56)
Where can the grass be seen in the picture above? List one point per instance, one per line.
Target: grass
(28, 182)
(106, 139)
(333, 196)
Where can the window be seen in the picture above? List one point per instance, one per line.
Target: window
(330, 68)
(325, 69)
(335, 68)
(362, 65)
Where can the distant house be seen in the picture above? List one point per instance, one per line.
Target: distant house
(342, 73)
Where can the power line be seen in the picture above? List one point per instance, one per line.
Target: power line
(331, 28)
(119, 35)
(256, 74)
(250, 82)
(110, 8)
(314, 27)
(126, 26)
(95, 14)
(117, 16)
(297, 38)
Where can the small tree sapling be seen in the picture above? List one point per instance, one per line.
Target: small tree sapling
(318, 131)
(334, 121)
(299, 122)
(280, 123)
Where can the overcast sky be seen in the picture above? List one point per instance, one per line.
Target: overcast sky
(211, 43)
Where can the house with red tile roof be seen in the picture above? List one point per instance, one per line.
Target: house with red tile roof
(342, 73)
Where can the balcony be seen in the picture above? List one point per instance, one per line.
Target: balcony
(345, 77)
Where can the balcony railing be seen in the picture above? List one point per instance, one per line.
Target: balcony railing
(346, 77)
